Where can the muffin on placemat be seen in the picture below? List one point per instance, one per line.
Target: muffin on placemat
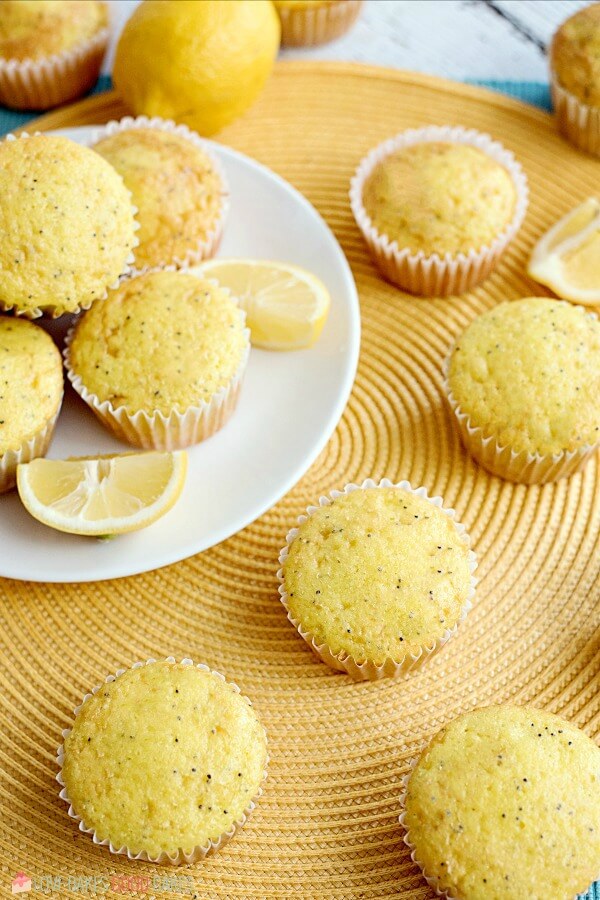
(67, 223)
(523, 382)
(305, 23)
(505, 802)
(377, 578)
(31, 390)
(161, 360)
(164, 762)
(437, 207)
(51, 51)
(177, 184)
(575, 78)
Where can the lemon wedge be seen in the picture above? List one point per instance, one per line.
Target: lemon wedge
(103, 495)
(286, 306)
(567, 258)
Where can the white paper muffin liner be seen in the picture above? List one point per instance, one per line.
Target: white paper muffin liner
(181, 858)
(576, 121)
(176, 430)
(56, 312)
(203, 248)
(521, 467)
(434, 275)
(57, 79)
(366, 670)
(311, 25)
(32, 449)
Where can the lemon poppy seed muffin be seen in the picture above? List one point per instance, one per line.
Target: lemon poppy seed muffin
(31, 390)
(51, 51)
(165, 759)
(176, 188)
(67, 223)
(160, 360)
(306, 23)
(527, 374)
(505, 802)
(378, 577)
(36, 29)
(438, 197)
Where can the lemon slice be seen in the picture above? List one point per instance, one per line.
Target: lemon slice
(567, 258)
(286, 307)
(103, 495)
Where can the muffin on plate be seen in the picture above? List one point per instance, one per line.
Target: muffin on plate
(31, 391)
(163, 762)
(505, 802)
(437, 207)
(377, 578)
(177, 185)
(161, 360)
(575, 78)
(51, 51)
(305, 23)
(68, 226)
(523, 382)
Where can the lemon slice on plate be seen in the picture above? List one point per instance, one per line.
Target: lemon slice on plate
(286, 306)
(567, 258)
(103, 495)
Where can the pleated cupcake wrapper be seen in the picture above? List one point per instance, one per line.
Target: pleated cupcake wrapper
(158, 431)
(312, 25)
(57, 79)
(32, 449)
(366, 670)
(434, 275)
(576, 121)
(56, 312)
(431, 880)
(203, 248)
(181, 857)
(521, 466)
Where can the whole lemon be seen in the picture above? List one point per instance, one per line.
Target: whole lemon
(201, 62)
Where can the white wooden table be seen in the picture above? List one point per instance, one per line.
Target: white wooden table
(496, 39)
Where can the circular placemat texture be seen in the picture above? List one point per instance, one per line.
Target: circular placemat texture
(327, 825)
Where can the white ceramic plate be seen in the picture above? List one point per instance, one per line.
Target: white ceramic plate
(289, 407)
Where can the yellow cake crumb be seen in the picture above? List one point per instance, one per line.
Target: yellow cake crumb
(31, 382)
(67, 225)
(528, 373)
(175, 187)
(378, 574)
(161, 341)
(167, 757)
(440, 198)
(35, 29)
(575, 54)
(505, 803)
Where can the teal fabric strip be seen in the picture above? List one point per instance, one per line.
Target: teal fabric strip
(532, 92)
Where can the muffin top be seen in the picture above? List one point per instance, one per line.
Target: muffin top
(67, 225)
(167, 757)
(31, 381)
(528, 373)
(440, 198)
(575, 54)
(34, 29)
(378, 574)
(174, 185)
(505, 802)
(160, 342)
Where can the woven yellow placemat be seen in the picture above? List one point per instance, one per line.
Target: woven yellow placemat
(327, 824)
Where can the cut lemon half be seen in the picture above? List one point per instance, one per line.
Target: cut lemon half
(102, 495)
(286, 307)
(567, 258)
